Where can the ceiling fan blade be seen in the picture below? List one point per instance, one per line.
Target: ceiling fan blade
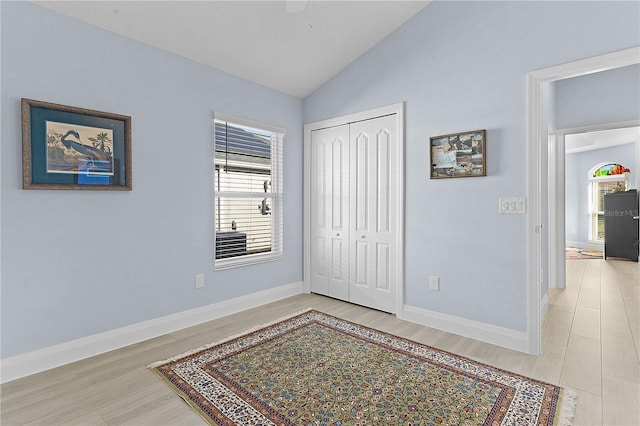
(295, 6)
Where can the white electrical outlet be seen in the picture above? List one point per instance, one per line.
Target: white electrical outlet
(199, 280)
(434, 283)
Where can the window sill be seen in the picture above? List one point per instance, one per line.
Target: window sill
(252, 259)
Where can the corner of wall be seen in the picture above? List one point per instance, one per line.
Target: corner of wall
(500, 336)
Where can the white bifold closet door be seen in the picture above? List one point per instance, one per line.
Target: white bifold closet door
(330, 212)
(353, 223)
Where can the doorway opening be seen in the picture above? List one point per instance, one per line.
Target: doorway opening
(574, 193)
(535, 189)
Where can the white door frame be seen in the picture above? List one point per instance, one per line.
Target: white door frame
(557, 205)
(397, 109)
(534, 187)
(555, 202)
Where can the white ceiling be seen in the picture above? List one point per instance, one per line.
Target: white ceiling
(259, 41)
(588, 141)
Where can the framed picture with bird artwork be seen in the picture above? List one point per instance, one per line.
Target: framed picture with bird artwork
(65, 147)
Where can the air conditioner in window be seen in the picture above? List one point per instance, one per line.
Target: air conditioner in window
(230, 244)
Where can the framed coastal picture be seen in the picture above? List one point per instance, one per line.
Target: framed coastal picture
(458, 155)
(65, 147)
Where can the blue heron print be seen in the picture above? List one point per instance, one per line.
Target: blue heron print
(79, 149)
(90, 152)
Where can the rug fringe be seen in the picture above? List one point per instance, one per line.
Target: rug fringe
(226, 339)
(568, 407)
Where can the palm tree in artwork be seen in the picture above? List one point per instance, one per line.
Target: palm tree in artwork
(100, 140)
(52, 142)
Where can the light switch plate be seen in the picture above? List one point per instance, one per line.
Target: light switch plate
(512, 205)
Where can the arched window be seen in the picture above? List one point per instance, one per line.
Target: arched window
(604, 178)
(609, 169)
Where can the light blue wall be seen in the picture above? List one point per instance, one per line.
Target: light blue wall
(599, 98)
(461, 66)
(79, 263)
(577, 167)
(457, 65)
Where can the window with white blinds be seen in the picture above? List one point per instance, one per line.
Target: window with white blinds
(598, 190)
(604, 178)
(248, 192)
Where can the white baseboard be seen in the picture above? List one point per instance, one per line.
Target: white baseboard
(500, 336)
(589, 245)
(544, 304)
(23, 365)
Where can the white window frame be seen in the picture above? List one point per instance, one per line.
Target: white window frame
(594, 187)
(276, 194)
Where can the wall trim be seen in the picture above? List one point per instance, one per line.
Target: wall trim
(488, 333)
(586, 245)
(555, 219)
(29, 363)
(544, 304)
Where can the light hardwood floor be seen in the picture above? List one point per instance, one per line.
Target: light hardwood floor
(591, 334)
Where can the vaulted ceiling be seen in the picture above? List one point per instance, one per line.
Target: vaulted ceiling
(291, 46)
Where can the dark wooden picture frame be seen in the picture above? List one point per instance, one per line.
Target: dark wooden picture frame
(458, 155)
(65, 147)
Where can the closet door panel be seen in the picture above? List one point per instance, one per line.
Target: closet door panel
(383, 188)
(372, 196)
(319, 280)
(361, 278)
(319, 234)
(337, 184)
(383, 262)
(330, 211)
(361, 182)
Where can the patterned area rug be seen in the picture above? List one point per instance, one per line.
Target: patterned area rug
(582, 253)
(315, 369)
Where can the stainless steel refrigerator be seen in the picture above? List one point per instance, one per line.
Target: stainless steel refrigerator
(621, 218)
